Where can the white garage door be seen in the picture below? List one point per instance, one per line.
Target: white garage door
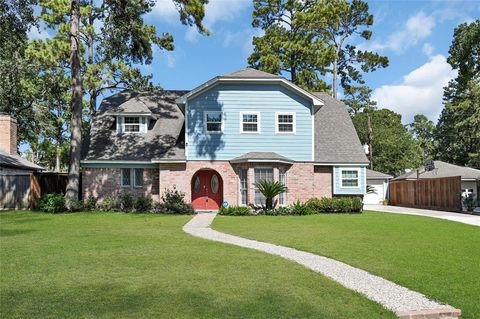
(377, 197)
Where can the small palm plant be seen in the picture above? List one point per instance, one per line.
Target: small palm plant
(270, 189)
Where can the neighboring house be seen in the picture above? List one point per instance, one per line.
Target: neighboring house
(379, 183)
(10, 161)
(470, 177)
(214, 142)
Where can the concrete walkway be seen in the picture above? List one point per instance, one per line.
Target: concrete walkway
(456, 217)
(404, 302)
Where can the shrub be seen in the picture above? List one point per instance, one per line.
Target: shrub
(126, 202)
(336, 205)
(469, 202)
(73, 205)
(108, 204)
(300, 208)
(142, 204)
(52, 203)
(173, 202)
(270, 189)
(90, 203)
(235, 211)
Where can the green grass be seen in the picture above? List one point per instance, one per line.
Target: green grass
(436, 257)
(113, 265)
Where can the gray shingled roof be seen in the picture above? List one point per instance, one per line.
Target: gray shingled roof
(163, 140)
(250, 73)
(261, 156)
(16, 161)
(336, 140)
(371, 174)
(443, 169)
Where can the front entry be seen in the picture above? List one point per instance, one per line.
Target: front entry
(207, 190)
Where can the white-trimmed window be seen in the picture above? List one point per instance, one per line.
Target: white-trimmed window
(242, 174)
(126, 178)
(349, 178)
(285, 123)
(249, 122)
(138, 177)
(282, 178)
(213, 122)
(131, 124)
(262, 174)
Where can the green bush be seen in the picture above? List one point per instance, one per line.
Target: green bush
(126, 202)
(90, 203)
(300, 208)
(108, 204)
(142, 204)
(235, 211)
(336, 205)
(173, 202)
(52, 203)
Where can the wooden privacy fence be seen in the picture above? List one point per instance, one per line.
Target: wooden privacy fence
(23, 190)
(429, 193)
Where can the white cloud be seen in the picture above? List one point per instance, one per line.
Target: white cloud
(416, 28)
(242, 39)
(170, 60)
(420, 92)
(166, 10)
(428, 49)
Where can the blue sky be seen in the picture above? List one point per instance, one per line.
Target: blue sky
(415, 35)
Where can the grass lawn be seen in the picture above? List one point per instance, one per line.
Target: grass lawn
(112, 265)
(436, 257)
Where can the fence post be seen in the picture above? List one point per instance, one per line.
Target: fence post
(34, 190)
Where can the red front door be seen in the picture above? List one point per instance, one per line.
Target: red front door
(207, 190)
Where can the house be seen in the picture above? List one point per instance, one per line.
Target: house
(214, 142)
(10, 161)
(470, 177)
(379, 183)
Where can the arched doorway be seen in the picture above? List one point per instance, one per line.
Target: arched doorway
(207, 190)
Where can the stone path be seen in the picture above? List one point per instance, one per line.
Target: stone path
(404, 302)
(456, 217)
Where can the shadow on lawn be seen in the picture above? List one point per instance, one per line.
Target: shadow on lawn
(14, 232)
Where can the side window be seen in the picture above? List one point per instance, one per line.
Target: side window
(282, 198)
(285, 122)
(349, 178)
(126, 181)
(242, 174)
(249, 122)
(213, 122)
(138, 177)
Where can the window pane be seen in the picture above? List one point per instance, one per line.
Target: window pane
(350, 182)
(132, 120)
(250, 127)
(284, 118)
(125, 177)
(349, 174)
(285, 127)
(196, 185)
(262, 174)
(282, 198)
(243, 186)
(250, 117)
(214, 117)
(214, 127)
(138, 176)
(214, 184)
(132, 128)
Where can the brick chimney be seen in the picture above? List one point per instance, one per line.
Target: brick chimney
(8, 134)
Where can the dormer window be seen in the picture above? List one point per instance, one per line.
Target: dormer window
(131, 124)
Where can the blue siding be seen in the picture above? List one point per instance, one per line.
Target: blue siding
(232, 99)
(361, 190)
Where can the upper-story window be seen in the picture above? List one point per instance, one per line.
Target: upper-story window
(349, 178)
(285, 122)
(249, 122)
(131, 124)
(213, 122)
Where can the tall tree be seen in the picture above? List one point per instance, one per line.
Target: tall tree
(458, 129)
(423, 131)
(394, 148)
(309, 39)
(100, 42)
(358, 98)
(16, 18)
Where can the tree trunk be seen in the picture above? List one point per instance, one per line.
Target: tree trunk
(57, 159)
(77, 99)
(370, 141)
(93, 92)
(335, 74)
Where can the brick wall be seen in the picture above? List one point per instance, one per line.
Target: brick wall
(303, 180)
(103, 182)
(8, 134)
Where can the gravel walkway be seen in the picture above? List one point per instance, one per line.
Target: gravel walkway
(404, 302)
(456, 217)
